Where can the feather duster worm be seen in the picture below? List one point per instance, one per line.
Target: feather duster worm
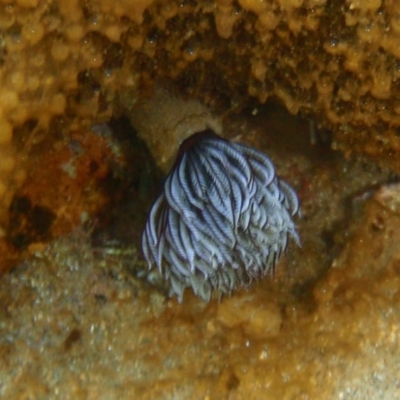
(222, 220)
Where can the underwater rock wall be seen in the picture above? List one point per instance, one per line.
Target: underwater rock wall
(335, 62)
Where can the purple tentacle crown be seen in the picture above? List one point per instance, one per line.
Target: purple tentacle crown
(222, 220)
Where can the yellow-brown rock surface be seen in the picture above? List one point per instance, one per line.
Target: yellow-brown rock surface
(73, 322)
(336, 62)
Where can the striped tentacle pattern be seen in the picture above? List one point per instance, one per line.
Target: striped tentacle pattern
(222, 220)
